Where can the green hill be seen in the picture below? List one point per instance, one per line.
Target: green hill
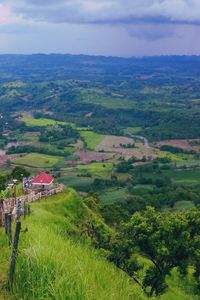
(56, 262)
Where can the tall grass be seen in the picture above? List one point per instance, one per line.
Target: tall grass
(51, 265)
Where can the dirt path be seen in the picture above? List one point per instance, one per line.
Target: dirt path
(145, 141)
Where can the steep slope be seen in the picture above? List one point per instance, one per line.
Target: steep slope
(57, 262)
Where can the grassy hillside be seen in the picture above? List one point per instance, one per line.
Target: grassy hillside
(56, 262)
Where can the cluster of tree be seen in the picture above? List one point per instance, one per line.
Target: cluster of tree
(175, 150)
(158, 182)
(126, 165)
(54, 133)
(17, 173)
(167, 240)
(99, 183)
(166, 196)
(36, 149)
(127, 146)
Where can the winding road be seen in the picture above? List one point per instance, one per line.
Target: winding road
(145, 141)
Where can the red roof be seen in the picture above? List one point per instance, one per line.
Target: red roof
(43, 178)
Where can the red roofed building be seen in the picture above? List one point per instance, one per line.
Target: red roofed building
(42, 182)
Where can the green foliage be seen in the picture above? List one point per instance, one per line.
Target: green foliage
(168, 240)
(174, 150)
(54, 133)
(19, 172)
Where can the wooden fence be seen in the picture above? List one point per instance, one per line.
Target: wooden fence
(10, 211)
(7, 206)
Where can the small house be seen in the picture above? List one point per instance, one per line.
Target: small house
(42, 182)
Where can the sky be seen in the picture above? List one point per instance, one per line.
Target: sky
(100, 27)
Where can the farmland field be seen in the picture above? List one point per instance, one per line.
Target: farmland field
(179, 176)
(79, 183)
(91, 138)
(113, 196)
(183, 205)
(98, 125)
(113, 102)
(30, 121)
(184, 144)
(97, 169)
(110, 141)
(131, 130)
(87, 157)
(141, 189)
(37, 160)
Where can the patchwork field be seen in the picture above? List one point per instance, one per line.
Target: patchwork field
(30, 121)
(122, 146)
(92, 139)
(79, 183)
(113, 196)
(86, 157)
(183, 176)
(116, 101)
(5, 158)
(97, 169)
(111, 141)
(37, 160)
(184, 144)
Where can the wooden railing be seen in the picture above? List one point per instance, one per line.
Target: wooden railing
(30, 196)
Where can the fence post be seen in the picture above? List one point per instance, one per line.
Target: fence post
(29, 209)
(25, 209)
(14, 252)
(6, 223)
(9, 222)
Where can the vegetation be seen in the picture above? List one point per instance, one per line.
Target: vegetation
(152, 234)
(42, 122)
(100, 128)
(54, 257)
(37, 160)
(91, 139)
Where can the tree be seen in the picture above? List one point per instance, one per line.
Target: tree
(18, 173)
(168, 240)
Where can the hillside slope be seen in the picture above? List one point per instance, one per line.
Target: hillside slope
(54, 264)
(57, 261)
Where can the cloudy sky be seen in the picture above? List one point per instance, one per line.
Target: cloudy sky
(100, 27)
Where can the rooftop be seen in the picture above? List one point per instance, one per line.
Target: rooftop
(43, 178)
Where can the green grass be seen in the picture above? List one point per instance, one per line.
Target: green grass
(37, 160)
(91, 138)
(79, 183)
(4, 263)
(183, 176)
(113, 196)
(177, 158)
(141, 189)
(30, 121)
(131, 130)
(53, 265)
(56, 262)
(97, 169)
(183, 205)
(180, 288)
(110, 102)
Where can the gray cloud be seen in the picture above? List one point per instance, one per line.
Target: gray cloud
(143, 19)
(110, 11)
(151, 32)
